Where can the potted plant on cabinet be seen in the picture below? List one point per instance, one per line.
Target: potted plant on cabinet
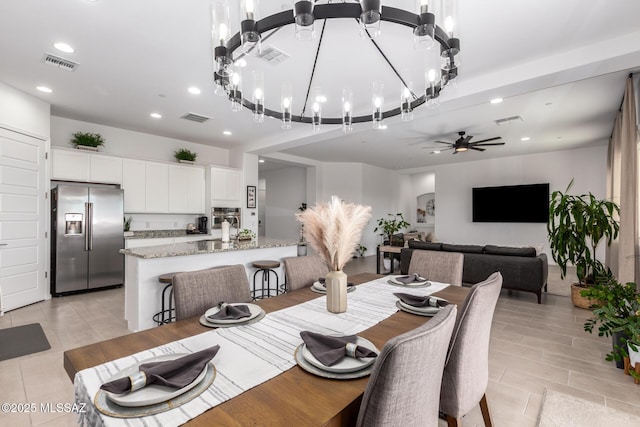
(613, 308)
(185, 156)
(576, 226)
(87, 140)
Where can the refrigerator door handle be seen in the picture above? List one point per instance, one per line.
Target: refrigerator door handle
(86, 226)
(90, 224)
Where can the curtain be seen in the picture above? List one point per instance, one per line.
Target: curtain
(623, 257)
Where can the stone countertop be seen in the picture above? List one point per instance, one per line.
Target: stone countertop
(158, 234)
(204, 247)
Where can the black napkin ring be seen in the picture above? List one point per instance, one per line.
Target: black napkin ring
(138, 380)
(351, 349)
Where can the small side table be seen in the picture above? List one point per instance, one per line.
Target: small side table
(388, 249)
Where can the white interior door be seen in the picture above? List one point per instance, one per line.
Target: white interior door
(22, 219)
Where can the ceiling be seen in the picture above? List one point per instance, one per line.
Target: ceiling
(560, 66)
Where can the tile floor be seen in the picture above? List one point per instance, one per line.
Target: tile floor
(533, 347)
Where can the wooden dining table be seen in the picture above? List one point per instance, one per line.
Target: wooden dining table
(294, 397)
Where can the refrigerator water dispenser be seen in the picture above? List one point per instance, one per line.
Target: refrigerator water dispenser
(73, 224)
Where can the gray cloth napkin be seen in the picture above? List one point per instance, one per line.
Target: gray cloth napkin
(330, 350)
(229, 312)
(175, 373)
(424, 301)
(412, 278)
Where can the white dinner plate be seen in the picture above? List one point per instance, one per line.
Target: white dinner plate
(394, 281)
(153, 393)
(322, 289)
(254, 309)
(347, 364)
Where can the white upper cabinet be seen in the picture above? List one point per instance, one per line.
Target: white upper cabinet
(225, 186)
(178, 189)
(195, 190)
(134, 183)
(70, 165)
(107, 169)
(157, 194)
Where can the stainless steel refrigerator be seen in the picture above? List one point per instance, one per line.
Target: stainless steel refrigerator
(86, 236)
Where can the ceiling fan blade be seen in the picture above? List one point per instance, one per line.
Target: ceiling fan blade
(477, 149)
(486, 145)
(487, 140)
(467, 139)
(443, 142)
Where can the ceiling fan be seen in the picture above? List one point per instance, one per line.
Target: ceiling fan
(463, 144)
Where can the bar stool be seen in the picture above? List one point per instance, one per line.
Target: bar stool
(165, 315)
(266, 267)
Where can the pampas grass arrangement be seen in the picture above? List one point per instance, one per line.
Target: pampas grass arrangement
(334, 229)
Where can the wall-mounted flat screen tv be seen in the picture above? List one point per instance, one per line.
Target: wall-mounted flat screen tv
(513, 203)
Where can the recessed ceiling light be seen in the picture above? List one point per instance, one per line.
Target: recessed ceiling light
(496, 100)
(436, 152)
(44, 89)
(64, 47)
(156, 115)
(525, 138)
(194, 90)
(383, 127)
(261, 161)
(321, 98)
(227, 132)
(240, 63)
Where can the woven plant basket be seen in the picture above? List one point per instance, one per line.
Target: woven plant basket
(580, 301)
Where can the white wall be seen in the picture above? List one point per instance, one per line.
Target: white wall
(23, 112)
(378, 191)
(285, 191)
(135, 145)
(453, 184)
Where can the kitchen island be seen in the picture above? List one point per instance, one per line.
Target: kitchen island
(143, 266)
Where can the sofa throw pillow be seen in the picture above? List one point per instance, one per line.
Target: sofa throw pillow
(509, 251)
(470, 249)
(429, 246)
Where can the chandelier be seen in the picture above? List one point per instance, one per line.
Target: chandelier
(430, 31)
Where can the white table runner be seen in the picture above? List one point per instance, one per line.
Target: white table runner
(249, 355)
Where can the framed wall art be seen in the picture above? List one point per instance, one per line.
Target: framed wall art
(251, 196)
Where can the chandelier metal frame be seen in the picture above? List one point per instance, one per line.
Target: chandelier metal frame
(449, 47)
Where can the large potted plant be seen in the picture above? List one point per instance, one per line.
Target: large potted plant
(577, 224)
(613, 309)
(391, 225)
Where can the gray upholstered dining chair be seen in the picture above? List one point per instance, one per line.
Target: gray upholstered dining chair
(445, 267)
(404, 387)
(197, 291)
(466, 374)
(302, 271)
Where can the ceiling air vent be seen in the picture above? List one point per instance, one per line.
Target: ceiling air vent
(509, 120)
(272, 55)
(195, 117)
(58, 62)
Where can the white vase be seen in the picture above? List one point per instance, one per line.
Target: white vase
(336, 283)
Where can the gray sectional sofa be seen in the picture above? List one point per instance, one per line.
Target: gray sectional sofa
(521, 268)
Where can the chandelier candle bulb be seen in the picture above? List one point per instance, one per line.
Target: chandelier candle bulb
(317, 116)
(286, 101)
(249, 36)
(347, 110)
(235, 93)
(304, 19)
(378, 100)
(370, 17)
(258, 96)
(220, 34)
(405, 104)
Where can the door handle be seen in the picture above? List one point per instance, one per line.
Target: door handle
(90, 223)
(86, 226)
